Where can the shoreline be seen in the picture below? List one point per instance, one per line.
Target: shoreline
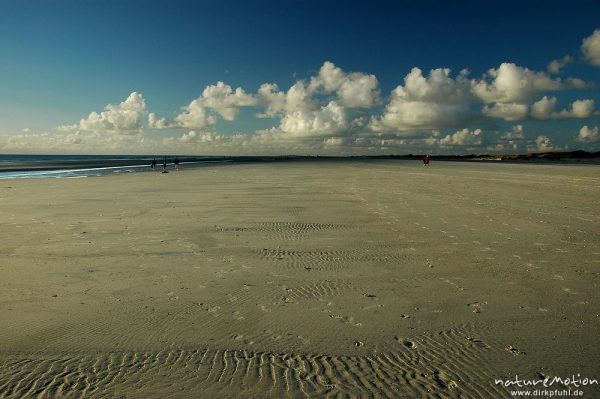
(94, 167)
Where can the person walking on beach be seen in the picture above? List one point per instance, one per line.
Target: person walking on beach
(426, 160)
(165, 165)
(177, 164)
(153, 164)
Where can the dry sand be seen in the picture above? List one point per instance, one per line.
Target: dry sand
(360, 279)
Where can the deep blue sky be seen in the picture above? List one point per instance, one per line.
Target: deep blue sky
(60, 60)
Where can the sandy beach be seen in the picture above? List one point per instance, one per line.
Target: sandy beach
(301, 279)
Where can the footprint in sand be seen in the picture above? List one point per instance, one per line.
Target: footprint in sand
(514, 351)
(379, 305)
(477, 342)
(172, 296)
(406, 342)
(237, 315)
(477, 306)
(443, 381)
(348, 320)
(452, 283)
(304, 340)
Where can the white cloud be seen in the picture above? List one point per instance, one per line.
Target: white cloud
(124, 118)
(270, 97)
(334, 141)
(328, 120)
(193, 116)
(200, 137)
(556, 66)
(434, 102)
(278, 103)
(225, 101)
(77, 142)
(588, 135)
(545, 108)
(303, 117)
(220, 98)
(464, 137)
(591, 48)
(333, 111)
(512, 140)
(354, 90)
(516, 133)
(511, 83)
(506, 111)
(543, 143)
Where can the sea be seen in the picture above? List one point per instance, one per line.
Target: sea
(15, 166)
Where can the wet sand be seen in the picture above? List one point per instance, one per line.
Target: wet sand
(305, 279)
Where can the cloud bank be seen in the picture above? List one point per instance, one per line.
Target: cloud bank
(335, 111)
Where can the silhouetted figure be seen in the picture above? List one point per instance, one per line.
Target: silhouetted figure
(426, 160)
(177, 163)
(153, 164)
(165, 166)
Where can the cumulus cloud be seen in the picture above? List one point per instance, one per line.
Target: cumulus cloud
(219, 98)
(354, 90)
(333, 110)
(124, 118)
(588, 135)
(556, 66)
(545, 108)
(193, 116)
(512, 140)
(225, 101)
(591, 48)
(328, 120)
(302, 115)
(278, 103)
(516, 133)
(511, 83)
(464, 137)
(208, 142)
(543, 143)
(272, 99)
(506, 111)
(200, 137)
(432, 102)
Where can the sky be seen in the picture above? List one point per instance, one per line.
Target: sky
(299, 77)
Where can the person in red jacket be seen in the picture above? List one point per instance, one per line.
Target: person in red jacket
(426, 160)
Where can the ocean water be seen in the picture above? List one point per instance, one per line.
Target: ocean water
(79, 166)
